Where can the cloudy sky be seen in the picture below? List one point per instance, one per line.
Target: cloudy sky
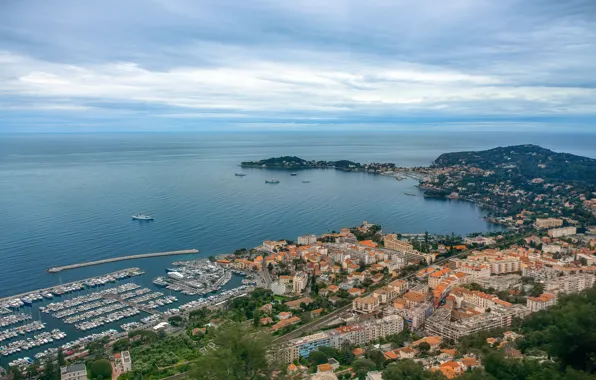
(306, 64)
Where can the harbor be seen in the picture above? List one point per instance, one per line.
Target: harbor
(34, 324)
(122, 258)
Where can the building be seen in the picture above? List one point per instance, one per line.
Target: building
(570, 284)
(381, 328)
(299, 283)
(541, 302)
(500, 283)
(307, 239)
(353, 334)
(125, 361)
(548, 223)
(503, 266)
(561, 232)
(279, 288)
(443, 324)
(374, 375)
(366, 305)
(479, 240)
(76, 371)
(310, 343)
(392, 242)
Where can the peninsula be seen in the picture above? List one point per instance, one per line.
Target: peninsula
(297, 163)
(504, 180)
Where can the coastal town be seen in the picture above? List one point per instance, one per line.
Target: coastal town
(336, 301)
(358, 302)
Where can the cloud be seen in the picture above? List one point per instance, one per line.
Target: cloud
(258, 62)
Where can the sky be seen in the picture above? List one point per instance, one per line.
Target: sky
(192, 65)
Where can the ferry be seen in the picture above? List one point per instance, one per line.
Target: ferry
(271, 181)
(410, 194)
(293, 174)
(305, 181)
(240, 174)
(142, 217)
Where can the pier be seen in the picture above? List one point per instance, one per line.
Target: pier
(122, 258)
(66, 284)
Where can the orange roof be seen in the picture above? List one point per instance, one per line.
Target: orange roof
(358, 351)
(292, 367)
(368, 243)
(449, 351)
(326, 367)
(450, 364)
(391, 355)
(470, 362)
(117, 355)
(448, 372)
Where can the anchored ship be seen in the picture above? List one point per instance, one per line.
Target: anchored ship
(240, 174)
(142, 217)
(271, 181)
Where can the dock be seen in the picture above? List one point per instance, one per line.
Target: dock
(122, 258)
(51, 288)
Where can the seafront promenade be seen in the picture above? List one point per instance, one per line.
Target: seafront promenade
(122, 258)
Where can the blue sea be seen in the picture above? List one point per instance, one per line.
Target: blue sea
(67, 198)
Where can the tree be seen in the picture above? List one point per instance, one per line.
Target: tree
(241, 353)
(362, 366)
(377, 357)
(408, 369)
(175, 321)
(424, 348)
(100, 369)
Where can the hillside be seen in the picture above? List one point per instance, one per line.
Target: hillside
(526, 161)
(293, 162)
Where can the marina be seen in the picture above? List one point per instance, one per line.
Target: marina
(194, 277)
(34, 323)
(122, 258)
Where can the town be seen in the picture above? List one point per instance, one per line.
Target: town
(352, 303)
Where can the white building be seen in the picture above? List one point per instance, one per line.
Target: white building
(541, 302)
(307, 239)
(570, 284)
(74, 372)
(299, 283)
(126, 361)
(561, 232)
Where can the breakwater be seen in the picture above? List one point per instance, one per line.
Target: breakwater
(122, 258)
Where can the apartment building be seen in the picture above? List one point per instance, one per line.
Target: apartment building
(570, 284)
(541, 302)
(307, 239)
(562, 232)
(548, 223)
(500, 283)
(299, 282)
(366, 305)
(76, 371)
(380, 328)
(392, 242)
(441, 322)
(503, 266)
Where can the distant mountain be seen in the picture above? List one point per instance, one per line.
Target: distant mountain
(527, 161)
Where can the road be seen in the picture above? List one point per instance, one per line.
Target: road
(321, 322)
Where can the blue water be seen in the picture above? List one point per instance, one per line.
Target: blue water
(68, 198)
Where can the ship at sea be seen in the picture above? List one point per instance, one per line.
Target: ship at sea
(306, 181)
(293, 174)
(240, 174)
(271, 181)
(142, 217)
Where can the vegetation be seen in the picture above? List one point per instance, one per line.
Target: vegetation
(149, 361)
(100, 369)
(238, 353)
(408, 369)
(524, 160)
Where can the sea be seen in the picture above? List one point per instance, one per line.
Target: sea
(68, 198)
